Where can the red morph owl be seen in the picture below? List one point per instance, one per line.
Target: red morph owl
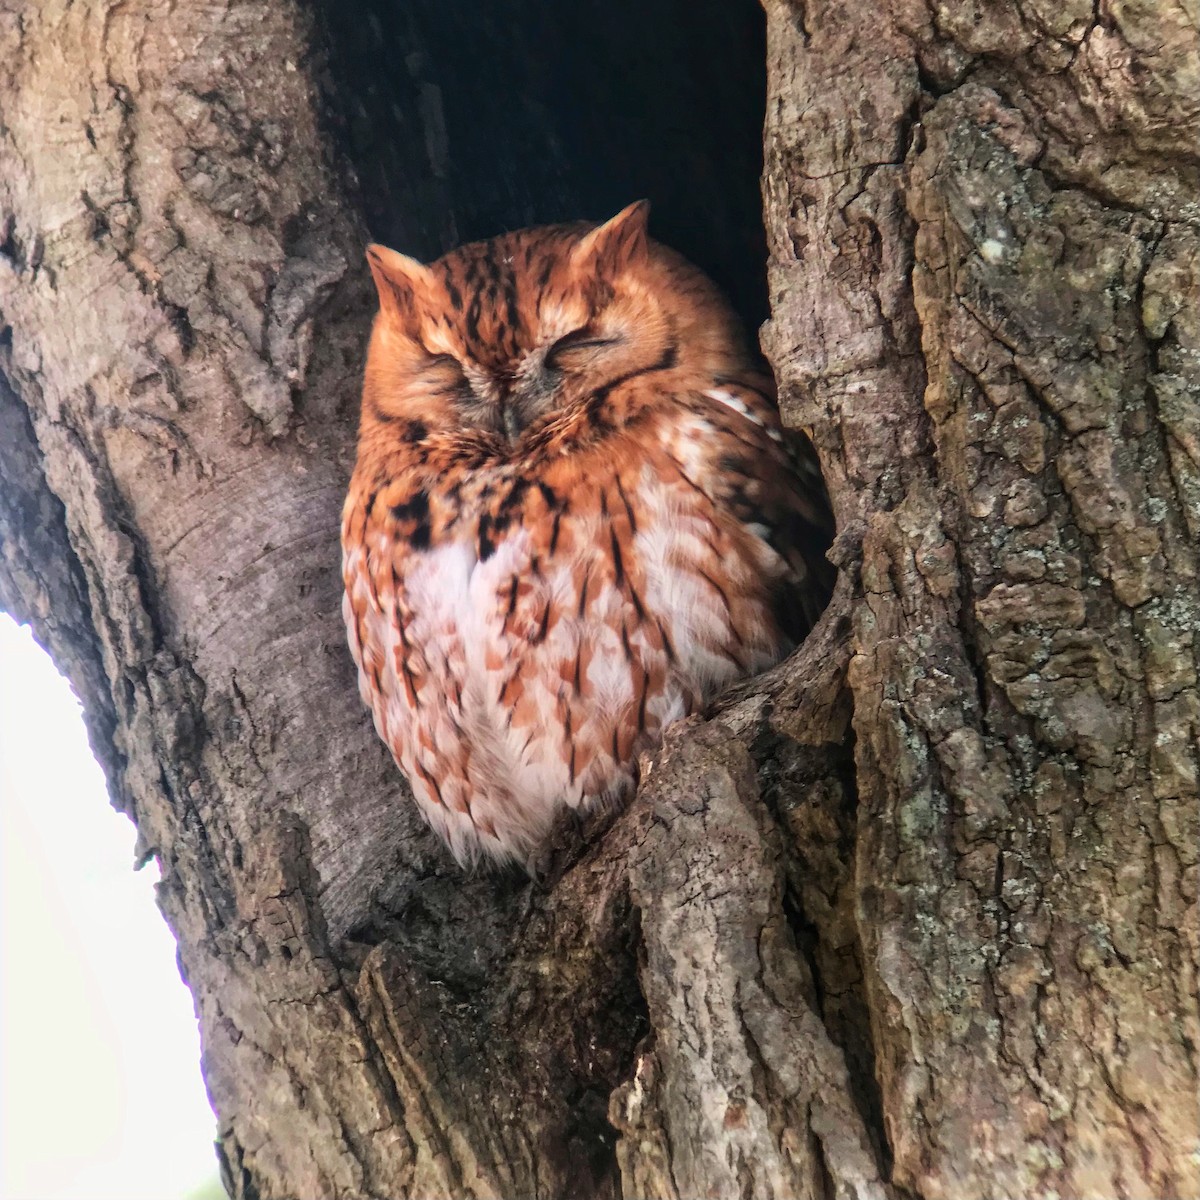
(573, 521)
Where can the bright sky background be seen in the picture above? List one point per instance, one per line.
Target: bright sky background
(100, 1089)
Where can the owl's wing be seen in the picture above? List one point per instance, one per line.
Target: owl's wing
(769, 479)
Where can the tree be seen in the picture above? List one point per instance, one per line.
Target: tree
(914, 913)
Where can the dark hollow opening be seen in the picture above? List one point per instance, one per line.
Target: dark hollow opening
(464, 120)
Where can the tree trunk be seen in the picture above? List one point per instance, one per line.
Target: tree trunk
(912, 914)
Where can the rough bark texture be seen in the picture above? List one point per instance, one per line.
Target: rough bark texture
(914, 913)
(983, 227)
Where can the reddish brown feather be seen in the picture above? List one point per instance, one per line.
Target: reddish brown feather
(544, 566)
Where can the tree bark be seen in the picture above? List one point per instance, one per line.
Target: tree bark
(911, 914)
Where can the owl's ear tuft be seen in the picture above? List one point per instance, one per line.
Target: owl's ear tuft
(618, 243)
(400, 281)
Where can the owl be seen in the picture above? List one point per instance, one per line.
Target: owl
(573, 520)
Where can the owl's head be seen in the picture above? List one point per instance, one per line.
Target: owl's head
(504, 335)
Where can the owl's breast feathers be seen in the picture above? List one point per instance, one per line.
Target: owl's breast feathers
(526, 625)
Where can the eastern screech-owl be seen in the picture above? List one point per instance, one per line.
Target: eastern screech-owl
(573, 521)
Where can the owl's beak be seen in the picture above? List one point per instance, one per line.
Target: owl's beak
(510, 423)
(508, 416)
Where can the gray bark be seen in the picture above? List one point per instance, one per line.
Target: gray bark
(912, 914)
(984, 270)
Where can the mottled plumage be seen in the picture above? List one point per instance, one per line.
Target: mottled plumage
(573, 521)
